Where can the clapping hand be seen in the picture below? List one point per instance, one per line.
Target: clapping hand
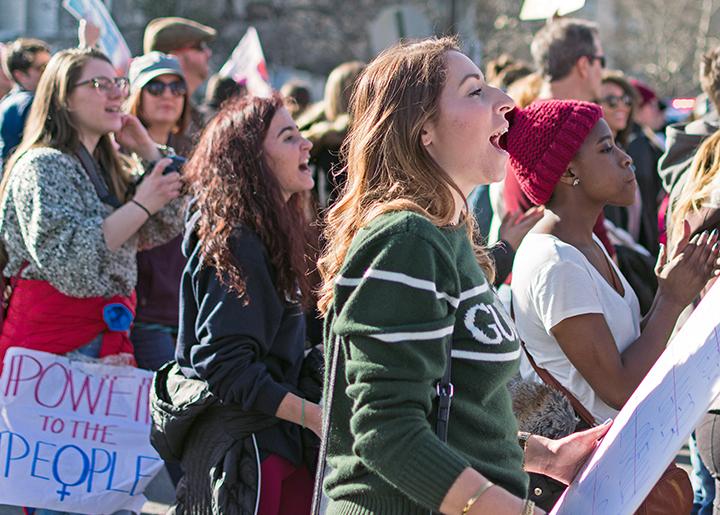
(683, 273)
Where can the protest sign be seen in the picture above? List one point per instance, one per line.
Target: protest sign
(111, 40)
(655, 422)
(544, 9)
(74, 435)
(247, 64)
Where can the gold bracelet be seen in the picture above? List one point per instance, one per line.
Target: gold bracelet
(529, 507)
(484, 488)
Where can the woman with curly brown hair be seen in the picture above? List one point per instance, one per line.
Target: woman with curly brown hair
(242, 328)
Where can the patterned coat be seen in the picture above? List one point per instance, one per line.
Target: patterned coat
(51, 217)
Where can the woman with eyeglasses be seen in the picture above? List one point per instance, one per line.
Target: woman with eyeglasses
(71, 221)
(159, 98)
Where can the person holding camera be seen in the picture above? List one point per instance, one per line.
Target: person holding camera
(159, 98)
(71, 220)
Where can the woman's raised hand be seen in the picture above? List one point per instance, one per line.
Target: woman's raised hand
(683, 275)
(515, 226)
(88, 34)
(134, 137)
(157, 189)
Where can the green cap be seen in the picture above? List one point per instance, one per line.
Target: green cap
(168, 34)
(145, 68)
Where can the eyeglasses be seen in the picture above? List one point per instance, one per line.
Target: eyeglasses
(600, 58)
(614, 100)
(108, 85)
(157, 88)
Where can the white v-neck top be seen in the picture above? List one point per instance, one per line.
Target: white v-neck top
(552, 281)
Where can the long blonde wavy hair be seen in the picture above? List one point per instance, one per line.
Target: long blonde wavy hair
(388, 168)
(702, 187)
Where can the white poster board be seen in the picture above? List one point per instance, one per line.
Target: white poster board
(247, 64)
(655, 422)
(74, 435)
(111, 42)
(544, 9)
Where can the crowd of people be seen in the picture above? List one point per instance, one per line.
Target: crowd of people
(376, 290)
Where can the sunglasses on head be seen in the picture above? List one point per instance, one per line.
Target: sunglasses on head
(614, 100)
(157, 88)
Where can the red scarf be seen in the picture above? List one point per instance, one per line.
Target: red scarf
(41, 318)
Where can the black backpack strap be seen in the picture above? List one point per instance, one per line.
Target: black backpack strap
(96, 178)
(327, 405)
(445, 392)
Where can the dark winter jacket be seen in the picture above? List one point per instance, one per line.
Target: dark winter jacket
(645, 154)
(248, 350)
(214, 410)
(214, 442)
(14, 109)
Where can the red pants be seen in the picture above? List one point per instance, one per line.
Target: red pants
(284, 488)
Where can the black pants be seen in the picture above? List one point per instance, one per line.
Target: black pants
(708, 442)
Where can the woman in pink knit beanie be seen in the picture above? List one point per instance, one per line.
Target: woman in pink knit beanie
(577, 314)
(564, 157)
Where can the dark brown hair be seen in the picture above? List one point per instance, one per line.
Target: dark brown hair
(20, 55)
(559, 44)
(618, 78)
(234, 187)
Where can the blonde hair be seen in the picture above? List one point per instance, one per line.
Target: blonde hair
(701, 188)
(526, 90)
(388, 168)
(49, 123)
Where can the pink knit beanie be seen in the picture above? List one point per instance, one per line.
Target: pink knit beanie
(542, 140)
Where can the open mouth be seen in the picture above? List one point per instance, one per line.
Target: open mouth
(305, 167)
(499, 139)
(115, 109)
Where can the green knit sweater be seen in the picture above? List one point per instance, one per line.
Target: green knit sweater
(406, 291)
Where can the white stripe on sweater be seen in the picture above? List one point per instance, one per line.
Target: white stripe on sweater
(472, 292)
(396, 277)
(486, 356)
(414, 335)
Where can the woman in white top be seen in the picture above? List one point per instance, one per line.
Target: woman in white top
(578, 316)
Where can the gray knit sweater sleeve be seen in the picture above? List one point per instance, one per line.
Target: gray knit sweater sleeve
(163, 226)
(52, 218)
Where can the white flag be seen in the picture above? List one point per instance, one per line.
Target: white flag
(247, 64)
(543, 9)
